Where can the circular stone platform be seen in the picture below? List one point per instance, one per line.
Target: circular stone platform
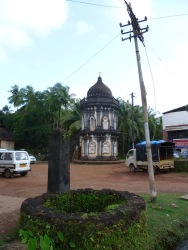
(102, 216)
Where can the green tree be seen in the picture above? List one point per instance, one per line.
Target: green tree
(125, 126)
(41, 112)
(17, 96)
(6, 109)
(72, 118)
(59, 99)
(32, 120)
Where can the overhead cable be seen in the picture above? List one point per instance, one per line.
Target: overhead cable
(91, 57)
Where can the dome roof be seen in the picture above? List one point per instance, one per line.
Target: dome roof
(99, 88)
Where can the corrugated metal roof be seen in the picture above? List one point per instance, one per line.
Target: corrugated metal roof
(183, 108)
(152, 142)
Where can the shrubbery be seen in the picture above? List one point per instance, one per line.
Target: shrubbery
(180, 165)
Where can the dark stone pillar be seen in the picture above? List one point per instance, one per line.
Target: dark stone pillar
(58, 163)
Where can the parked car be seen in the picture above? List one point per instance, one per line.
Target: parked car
(32, 159)
(184, 154)
(14, 162)
(3, 149)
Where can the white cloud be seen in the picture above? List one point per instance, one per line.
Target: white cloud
(21, 19)
(14, 38)
(40, 15)
(83, 27)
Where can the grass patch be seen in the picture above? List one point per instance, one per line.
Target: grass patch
(167, 220)
(88, 203)
(3, 242)
(11, 236)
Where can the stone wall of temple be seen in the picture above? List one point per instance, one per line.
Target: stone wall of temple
(99, 135)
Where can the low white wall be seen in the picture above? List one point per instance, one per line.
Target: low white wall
(175, 119)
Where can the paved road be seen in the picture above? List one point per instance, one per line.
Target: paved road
(115, 176)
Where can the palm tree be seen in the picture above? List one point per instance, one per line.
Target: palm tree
(72, 118)
(125, 124)
(17, 96)
(138, 124)
(28, 95)
(6, 109)
(155, 124)
(59, 99)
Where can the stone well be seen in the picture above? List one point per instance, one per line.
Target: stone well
(85, 228)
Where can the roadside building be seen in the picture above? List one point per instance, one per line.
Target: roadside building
(7, 140)
(99, 132)
(175, 127)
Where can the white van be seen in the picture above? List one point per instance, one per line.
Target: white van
(14, 162)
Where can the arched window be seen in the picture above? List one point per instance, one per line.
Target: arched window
(105, 122)
(105, 148)
(92, 123)
(92, 147)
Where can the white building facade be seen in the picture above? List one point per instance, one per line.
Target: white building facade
(175, 127)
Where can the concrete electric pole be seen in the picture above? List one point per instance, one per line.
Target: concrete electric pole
(138, 33)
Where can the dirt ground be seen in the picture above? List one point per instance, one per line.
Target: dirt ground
(116, 176)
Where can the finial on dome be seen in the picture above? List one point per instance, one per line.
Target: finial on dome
(99, 78)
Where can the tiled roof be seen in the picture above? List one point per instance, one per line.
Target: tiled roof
(5, 135)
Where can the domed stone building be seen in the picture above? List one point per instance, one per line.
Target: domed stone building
(99, 135)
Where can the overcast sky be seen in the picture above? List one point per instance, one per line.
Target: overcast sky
(43, 42)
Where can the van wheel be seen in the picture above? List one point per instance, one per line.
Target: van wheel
(132, 168)
(166, 170)
(7, 173)
(23, 174)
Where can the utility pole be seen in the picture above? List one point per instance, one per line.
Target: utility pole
(138, 33)
(132, 96)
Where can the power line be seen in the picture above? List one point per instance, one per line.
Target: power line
(168, 16)
(155, 126)
(121, 2)
(111, 42)
(118, 7)
(159, 57)
(91, 57)
(151, 77)
(99, 5)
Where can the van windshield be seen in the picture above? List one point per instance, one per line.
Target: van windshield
(21, 156)
(130, 153)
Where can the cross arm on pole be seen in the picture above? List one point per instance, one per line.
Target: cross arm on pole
(135, 25)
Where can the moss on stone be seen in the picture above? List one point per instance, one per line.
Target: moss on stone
(111, 229)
